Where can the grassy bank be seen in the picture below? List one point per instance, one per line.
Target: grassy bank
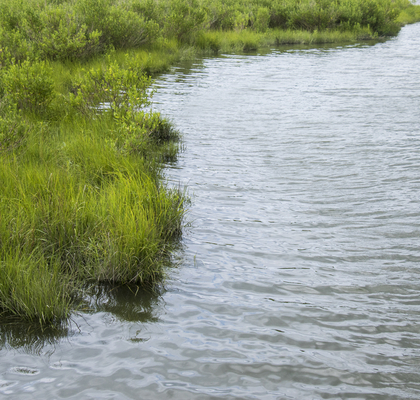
(83, 199)
(82, 193)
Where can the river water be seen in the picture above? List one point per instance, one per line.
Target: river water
(299, 277)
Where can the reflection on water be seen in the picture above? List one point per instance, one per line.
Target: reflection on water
(299, 278)
(28, 337)
(126, 303)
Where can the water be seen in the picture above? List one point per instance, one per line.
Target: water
(299, 278)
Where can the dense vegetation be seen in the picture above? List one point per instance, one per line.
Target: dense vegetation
(82, 197)
(80, 29)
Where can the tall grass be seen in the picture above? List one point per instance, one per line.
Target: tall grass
(246, 40)
(34, 288)
(79, 212)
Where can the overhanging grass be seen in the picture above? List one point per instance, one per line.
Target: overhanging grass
(34, 288)
(78, 208)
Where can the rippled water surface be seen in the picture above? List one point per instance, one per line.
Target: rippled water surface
(299, 278)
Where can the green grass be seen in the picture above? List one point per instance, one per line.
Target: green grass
(73, 209)
(248, 40)
(81, 30)
(32, 287)
(83, 199)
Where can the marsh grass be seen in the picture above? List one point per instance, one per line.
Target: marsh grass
(82, 30)
(32, 287)
(83, 199)
(248, 40)
(84, 213)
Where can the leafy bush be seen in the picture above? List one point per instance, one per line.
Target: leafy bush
(29, 85)
(221, 15)
(124, 93)
(410, 13)
(150, 10)
(279, 16)
(119, 90)
(79, 29)
(62, 37)
(183, 19)
(378, 15)
(38, 30)
(120, 26)
(14, 46)
(65, 31)
(262, 19)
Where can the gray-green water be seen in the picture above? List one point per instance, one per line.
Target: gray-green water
(300, 276)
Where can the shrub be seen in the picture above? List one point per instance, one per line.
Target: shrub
(221, 15)
(120, 91)
(184, 18)
(62, 37)
(119, 26)
(29, 86)
(14, 46)
(262, 19)
(124, 93)
(150, 10)
(279, 15)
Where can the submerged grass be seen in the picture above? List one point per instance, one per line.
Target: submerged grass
(83, 200)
